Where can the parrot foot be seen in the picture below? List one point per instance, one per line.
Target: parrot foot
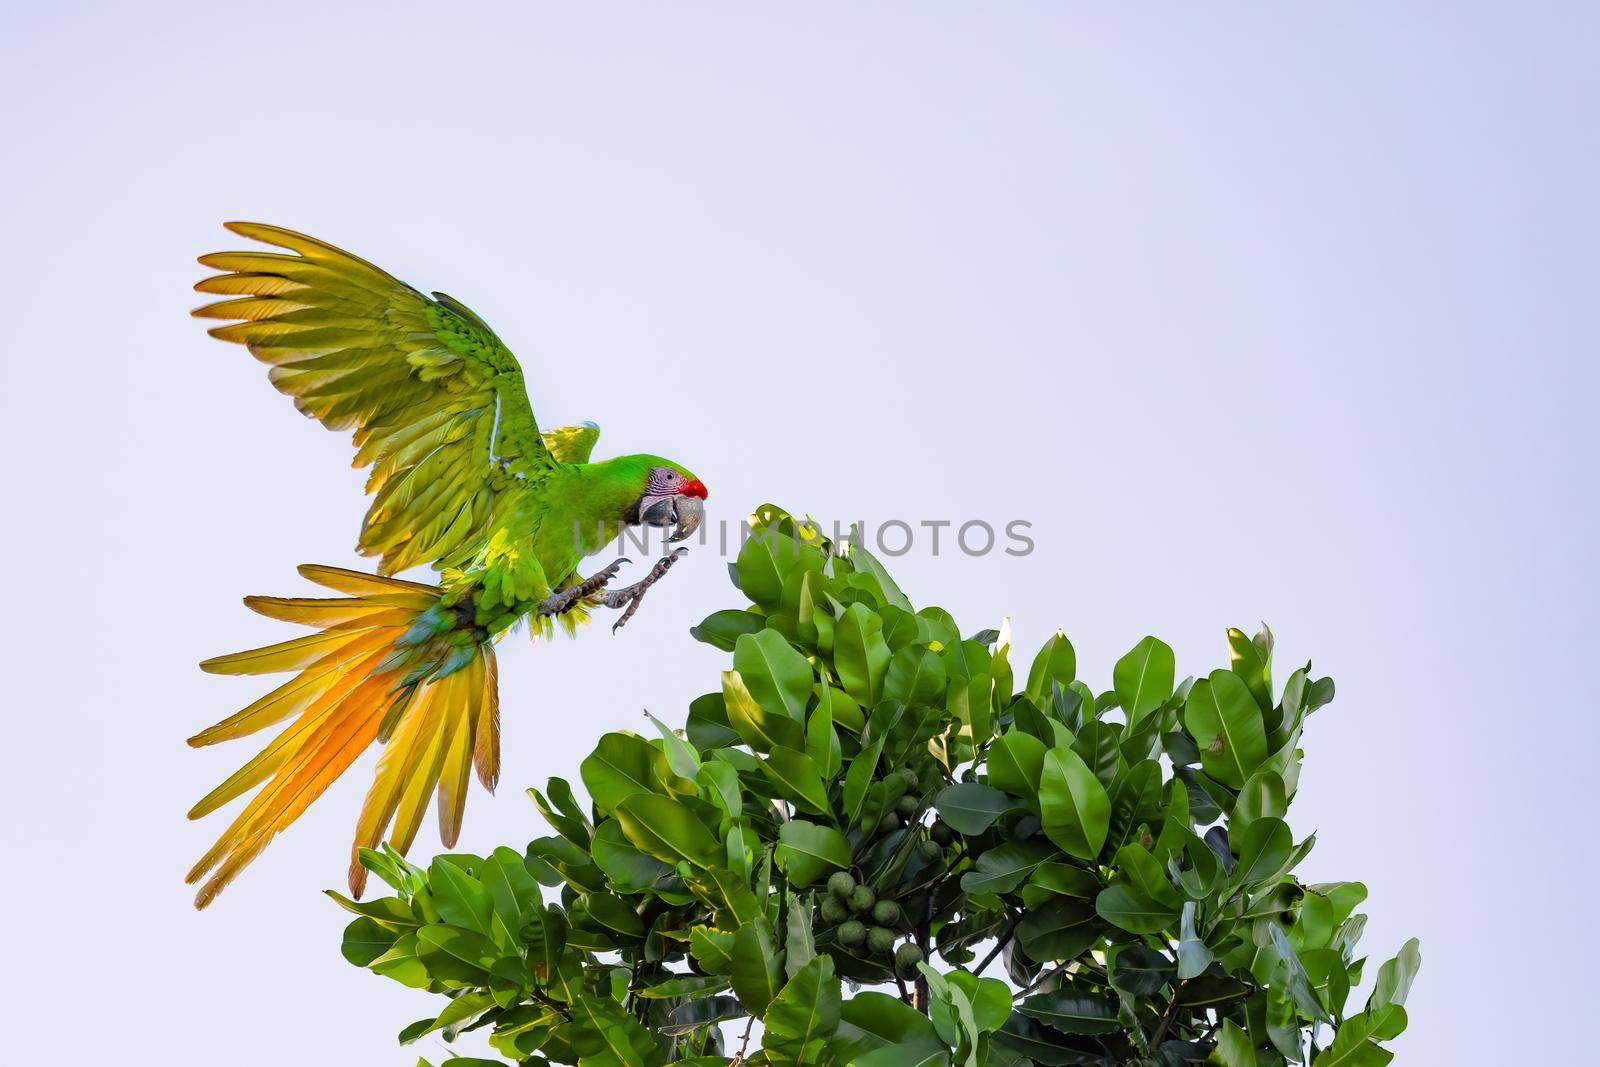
(630, 596)
(564, 599)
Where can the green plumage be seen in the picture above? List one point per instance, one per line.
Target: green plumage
(462, 477)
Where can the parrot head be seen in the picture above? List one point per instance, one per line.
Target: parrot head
(670, 496)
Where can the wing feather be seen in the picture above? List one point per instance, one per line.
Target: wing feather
(436, 404)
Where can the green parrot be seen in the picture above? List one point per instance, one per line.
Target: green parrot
(463, 479)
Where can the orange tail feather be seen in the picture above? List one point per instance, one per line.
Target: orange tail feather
(346, 687)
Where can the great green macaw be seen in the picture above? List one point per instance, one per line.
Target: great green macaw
(463, 479)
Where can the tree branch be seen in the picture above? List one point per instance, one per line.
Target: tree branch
(1167, 1016)
(999, 947)
(744, 1043)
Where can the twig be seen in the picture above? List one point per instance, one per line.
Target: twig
(539, 996)
(999, 947)
(924, 939)
(1040, 982)
(744, 1043)
(1167, 1016)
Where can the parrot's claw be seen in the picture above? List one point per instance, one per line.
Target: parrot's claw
(630, 596)
(562, 600)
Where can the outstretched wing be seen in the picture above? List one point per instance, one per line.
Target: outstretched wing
(572, 444)
(437, 404)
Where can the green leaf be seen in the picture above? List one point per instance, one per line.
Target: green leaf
(453, 954)
(1062, 880)
(721, 629)
(1143, 678)
(403, 964)
(971, 808)
(1056, 664)
(606, 1036)
(757, 966)
(877, 1020)
(777, 676)
(1395, 977)
(1193, 955)
(514, 892)
(866, 563)
(845, 712)
(760, 569)
(1227, 725)
(1300, 986)
(859, 778)
(915, 676)
(626, 867)
(1263, 852)
(757, 727)
(915, 1055)
(712, 949)
(1016, 760)
(797, 779)
(799, 943)
(951, 1013)
(822, 743)
(1003, 868)
(1253, 665)
(667, 830)
(804, 1016)
(365, 940)
(691, 986)
(682, 758)
(1135, 800)
(622, 765)
(1060, 930)
(1353, 1042)
(1022, 1041)
(615, 915)
(392, 912)
(708, 726)
(860, 654)
(462, 900)
(562, 814)
(1128, 908)
(458, 1011)
(1145, 874)
(1098, 743)
(1234, 1048)
(1140, 971)
(1263, 795)
(808, 852)
(990, 999)
(719, 783)
(1073, 1013)
(1073, 805)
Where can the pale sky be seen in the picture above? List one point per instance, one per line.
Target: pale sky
(1253, 313)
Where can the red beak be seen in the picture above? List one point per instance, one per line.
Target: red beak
(694, 487)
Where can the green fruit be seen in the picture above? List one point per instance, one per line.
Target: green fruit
(880, 940)
(852, 934)
(862, 898)
(906, 958)
(907, 806)
(886, 913)
(942, 833)
(929, 850)
(889, 823)
(834, 911)
(908, 776)
(841, 884)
